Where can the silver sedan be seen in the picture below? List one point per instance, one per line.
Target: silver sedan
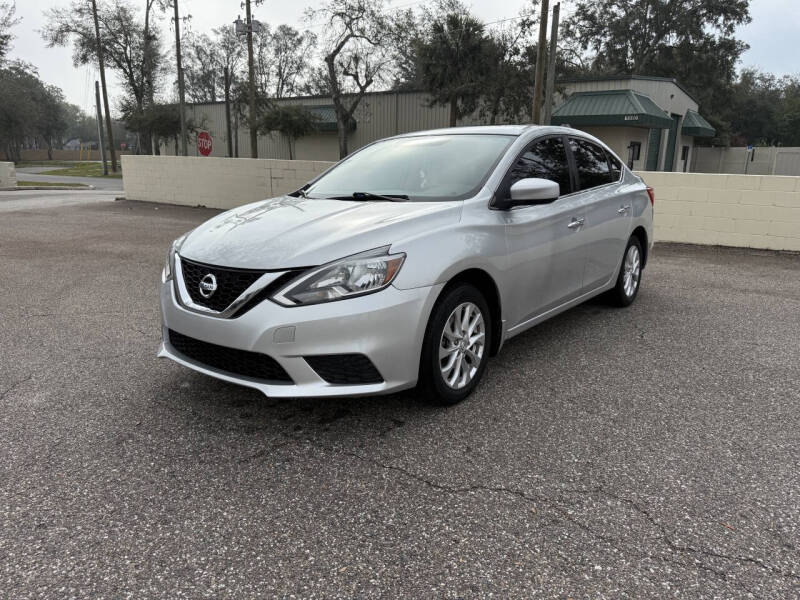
(409, 263)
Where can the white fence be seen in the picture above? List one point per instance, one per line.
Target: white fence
(759, 161)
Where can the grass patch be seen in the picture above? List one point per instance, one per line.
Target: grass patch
(46, 163)
(50, 184)
(74, 169)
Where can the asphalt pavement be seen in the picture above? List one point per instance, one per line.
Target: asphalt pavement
(647, 452)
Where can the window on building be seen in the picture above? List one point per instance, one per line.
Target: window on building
(591, 162)
(545, 159)
(634, 153)
(685, 157)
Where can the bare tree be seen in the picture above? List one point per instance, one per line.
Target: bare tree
(357, 54)
(203, 69)
(291, 52)
(134, 56)
(7, 21)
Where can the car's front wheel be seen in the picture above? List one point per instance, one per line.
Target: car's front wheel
(456, 346)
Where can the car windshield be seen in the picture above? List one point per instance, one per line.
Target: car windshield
(422, 168)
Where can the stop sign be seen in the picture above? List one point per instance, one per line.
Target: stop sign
(204, 143)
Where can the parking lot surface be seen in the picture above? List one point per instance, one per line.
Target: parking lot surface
(646, 452)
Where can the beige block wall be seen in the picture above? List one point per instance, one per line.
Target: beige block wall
(751, 211)
(213, 182)
(755, 211)
(8, 175)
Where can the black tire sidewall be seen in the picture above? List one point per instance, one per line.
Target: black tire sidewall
(430, 376)
(622, 299)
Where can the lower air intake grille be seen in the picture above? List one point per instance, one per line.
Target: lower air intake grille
(230, 360)
(345, 368)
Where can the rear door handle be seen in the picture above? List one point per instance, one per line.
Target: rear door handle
(575, 223)
(623, 209)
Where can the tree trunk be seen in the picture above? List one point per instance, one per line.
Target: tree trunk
(291, 153)
(495, 110)
(341, 126)
(453, 111)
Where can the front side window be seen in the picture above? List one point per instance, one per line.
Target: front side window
(591, 162)
(545, 159)
(424, 168)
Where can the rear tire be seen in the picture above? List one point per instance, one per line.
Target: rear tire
(630, 275)
(456, 345)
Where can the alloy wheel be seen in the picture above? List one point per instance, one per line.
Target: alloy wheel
(462, 345)
(632, 270)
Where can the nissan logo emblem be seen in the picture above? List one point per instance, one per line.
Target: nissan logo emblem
(208, 285)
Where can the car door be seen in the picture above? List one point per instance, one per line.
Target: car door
(545, 253)
(607, 210)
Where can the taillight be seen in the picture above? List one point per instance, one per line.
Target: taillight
(652, 195)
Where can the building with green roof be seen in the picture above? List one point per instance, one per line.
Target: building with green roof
(651, 122)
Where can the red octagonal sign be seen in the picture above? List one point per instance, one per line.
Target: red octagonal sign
(204, 143)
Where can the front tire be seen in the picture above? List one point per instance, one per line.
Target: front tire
(456, 345)
(630, 275)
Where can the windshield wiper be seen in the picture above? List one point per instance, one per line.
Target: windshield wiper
(371, 196)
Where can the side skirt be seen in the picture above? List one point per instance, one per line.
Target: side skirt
(525, 325)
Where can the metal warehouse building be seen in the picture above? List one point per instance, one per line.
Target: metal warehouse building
(651, 122)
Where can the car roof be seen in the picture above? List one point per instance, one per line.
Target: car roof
(485, 129)
(514, 130)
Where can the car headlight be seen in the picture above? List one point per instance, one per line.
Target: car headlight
(355, 275)
(169, 265)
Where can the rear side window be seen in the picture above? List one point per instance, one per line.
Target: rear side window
(591, 162)
(545, 159)
(616, 166)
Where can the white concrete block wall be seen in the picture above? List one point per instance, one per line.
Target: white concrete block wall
(751, 211)
(213, 182)
(757, 211)
(8, 175)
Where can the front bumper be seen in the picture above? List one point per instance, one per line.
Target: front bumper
(387, 327)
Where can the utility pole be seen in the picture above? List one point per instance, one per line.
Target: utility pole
(541, 53)
(252, 76)
(551, 67)
(100, 127)
(228, 111)
(105, 91)
(181, 99)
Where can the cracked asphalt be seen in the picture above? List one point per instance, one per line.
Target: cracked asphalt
(650, 452)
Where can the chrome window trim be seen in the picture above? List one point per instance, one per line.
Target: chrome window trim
(185, 300)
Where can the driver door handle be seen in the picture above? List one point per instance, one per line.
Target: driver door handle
(575, 223)
(623, 209)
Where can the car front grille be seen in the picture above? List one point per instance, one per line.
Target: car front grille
(230, 283)
(230, 360)
(346, 369)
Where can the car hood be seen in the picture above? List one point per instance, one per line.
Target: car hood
(288, 232)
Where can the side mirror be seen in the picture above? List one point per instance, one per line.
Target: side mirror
(533, 191)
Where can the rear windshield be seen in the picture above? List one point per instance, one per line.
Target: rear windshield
(424, 168)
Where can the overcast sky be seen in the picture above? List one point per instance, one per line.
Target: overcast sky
(771, 35)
